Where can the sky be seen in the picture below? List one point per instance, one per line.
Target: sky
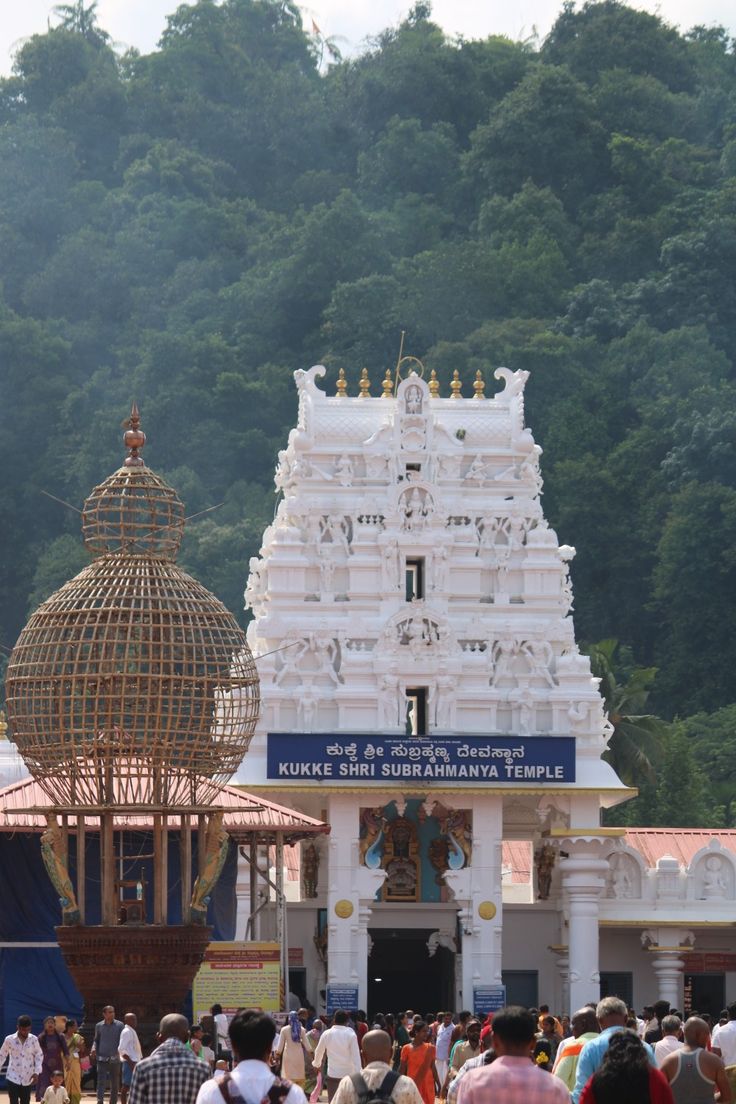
(140, 22)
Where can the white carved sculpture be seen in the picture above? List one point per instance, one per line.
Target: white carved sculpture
(446, 697)
(476, 473)
(326, 567)
(344, 471)
(390, 565)
(440, 565)
(714, 884)
(390, 701)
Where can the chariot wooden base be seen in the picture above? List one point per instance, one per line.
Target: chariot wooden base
(147, 969)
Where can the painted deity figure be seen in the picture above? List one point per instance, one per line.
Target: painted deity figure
(55, 860)
(217, 843)
(310, 870)
(544, 859)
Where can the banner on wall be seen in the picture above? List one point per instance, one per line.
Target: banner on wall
(238, 975)
(494, 759)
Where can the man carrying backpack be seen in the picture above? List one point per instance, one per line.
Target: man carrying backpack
(377, 1083)
(252, 1081)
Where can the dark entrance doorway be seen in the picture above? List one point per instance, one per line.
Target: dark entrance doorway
(705, 993)
(401, 974)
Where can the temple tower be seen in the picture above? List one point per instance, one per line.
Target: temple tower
(422, 690)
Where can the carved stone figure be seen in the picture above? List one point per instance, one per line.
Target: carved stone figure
(389, 565)
(55, 860)
(440, 565)
(413, 399)
(577, 715)
(326, 567)
(714, 885)
(217, 843)
(621, 885)
(344, 471)
(445, 715)
(544, 859)
(389, 701)
(476, 473)
(306, 709)
(310, 870)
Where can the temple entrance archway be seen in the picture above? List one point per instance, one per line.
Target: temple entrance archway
(401, 973)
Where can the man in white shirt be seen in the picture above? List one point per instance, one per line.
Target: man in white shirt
(129, 1049)
(670, 1041)
(723, 1040)
(442, 1046)
(252, 1080)
(25, 1059)
(377, 1047)
(340, 1044)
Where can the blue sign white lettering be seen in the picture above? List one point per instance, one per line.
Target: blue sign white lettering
(509, 760)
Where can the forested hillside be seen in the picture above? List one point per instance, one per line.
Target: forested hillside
(188, 227)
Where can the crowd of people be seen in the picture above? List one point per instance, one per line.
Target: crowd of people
(603, 1054)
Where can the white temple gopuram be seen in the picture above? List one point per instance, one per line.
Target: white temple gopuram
(423, 692)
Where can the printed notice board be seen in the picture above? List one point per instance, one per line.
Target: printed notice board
(238, 975)
(341, 996)
(488, 998)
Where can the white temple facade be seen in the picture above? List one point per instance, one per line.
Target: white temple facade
(423, 692)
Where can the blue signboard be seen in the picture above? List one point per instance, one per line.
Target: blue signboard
(488, 998)
(511, 760)
(341, 996)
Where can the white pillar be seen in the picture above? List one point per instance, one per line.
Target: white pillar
(477, 890)
(351, 889)
(667, 946)
(583, 872)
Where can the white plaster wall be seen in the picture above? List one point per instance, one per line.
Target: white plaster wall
(527, 932)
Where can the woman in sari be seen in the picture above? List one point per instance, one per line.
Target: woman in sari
(418, 1062)
(72, 1064)
(55, 1051)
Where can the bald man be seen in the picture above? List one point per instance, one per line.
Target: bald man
(694, 1073)
(584, 1027)
(377, 1075)
(172, 1074)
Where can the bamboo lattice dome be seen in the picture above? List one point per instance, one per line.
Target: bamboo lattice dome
(132, 684)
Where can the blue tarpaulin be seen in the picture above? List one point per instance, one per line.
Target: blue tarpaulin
(34, 979)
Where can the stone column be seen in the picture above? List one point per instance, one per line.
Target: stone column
(563, 968)
(583, 871)
(477, 891)
(667, 946)
(351, 889)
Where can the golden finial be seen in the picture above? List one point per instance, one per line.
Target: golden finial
(387, 385)
(364, 384)
(455, 385)
(134, 439)
(341, 384)
(434, 386)
(3, 725)
(479, 385)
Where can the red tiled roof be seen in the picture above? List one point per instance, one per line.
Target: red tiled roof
(244, 814)
(680, 843)
(517, 854)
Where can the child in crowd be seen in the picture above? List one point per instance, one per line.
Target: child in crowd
(56, 1093)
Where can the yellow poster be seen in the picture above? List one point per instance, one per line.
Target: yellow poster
(238, 975)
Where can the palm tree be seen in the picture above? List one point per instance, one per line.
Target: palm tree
(638, 738)
(81, 20)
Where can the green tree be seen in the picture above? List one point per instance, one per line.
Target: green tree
(638, 738)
